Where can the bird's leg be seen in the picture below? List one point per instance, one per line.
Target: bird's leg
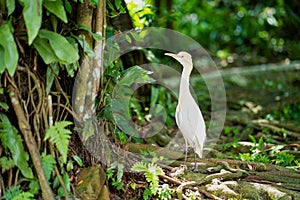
(195, 163)
(186, 151)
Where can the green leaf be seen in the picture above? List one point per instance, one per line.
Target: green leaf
(34, 187)
(135, 75)
(48, 164)
(24, 196)
(96, 36)
(71, 68)
(2, 55)
(154, 96)
(45, 50)
(252, 138)
(139, 167)
(118, 4)
(85, 46)
(32, 13)
(68, 6)
(70, 165)
(8, 49)
(11, 140)
(61, 47)
(60, 136)
(12, 192)
(57, 8)
(78, 160)
(67, 184)
(52, 71)
(94, 2)
(128, 39)
(4, 106)
(6, 163)
(10, 4)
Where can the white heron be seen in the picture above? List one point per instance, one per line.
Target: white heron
(188, 116)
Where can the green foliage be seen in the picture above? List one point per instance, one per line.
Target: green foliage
(115, 174)
(62, 50)
(160, 96)
(151, 172)
(12, 192)
(142, 14)
(285, 159)
(8, 49)
(24, 196)
(15, 193)
(116, 8)
(57, 8)
(6, 163)
(254, 29)
(60, 137)
(12, 141)
(164, 192)
(32, 13)
(259, 154)
(52, 71)
(77, 160)
(289, 112)
(122, 94)
(48, 165)
(11, 5)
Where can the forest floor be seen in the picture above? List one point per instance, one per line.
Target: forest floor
(257, 156)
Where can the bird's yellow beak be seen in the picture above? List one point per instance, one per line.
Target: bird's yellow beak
(172, 55)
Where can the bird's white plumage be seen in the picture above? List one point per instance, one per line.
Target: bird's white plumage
(188, 115)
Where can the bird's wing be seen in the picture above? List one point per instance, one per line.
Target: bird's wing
(178, 116)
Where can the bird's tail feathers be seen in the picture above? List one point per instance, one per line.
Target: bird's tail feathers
(199, 143)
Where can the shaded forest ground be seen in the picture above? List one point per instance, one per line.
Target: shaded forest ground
(258, 146)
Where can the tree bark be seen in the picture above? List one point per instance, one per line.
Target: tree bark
(30, 141)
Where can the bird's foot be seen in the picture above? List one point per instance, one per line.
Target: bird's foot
(192, 169)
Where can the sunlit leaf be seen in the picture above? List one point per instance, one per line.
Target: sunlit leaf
(8, 49)
(57, 8)
(32, 13)
(78, 160)
(11, 140)
(10, 4)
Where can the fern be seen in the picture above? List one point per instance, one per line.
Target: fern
(11, 140)
(151, 172)
(24, 196)
(47, 163)
(12, 192)
(60, 136)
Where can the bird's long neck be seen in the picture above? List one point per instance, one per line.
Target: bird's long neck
(184, 89)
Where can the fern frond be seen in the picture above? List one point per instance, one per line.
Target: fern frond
(47, 164)
(60, 137)
(23, 196)
(139, 167)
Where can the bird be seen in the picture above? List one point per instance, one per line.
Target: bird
(189, 118)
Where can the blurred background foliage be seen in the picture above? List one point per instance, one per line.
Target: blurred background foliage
(234, 32)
